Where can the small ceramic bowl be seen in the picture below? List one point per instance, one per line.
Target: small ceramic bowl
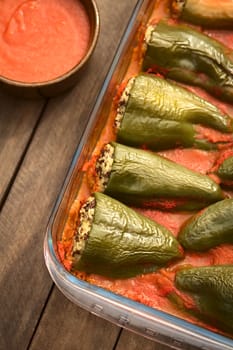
(66, 81)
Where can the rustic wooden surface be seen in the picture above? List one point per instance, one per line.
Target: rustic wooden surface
(37, 142)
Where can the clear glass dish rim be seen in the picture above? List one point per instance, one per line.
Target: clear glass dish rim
(50, 255)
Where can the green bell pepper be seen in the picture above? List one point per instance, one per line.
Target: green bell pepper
(225, 170)
(143, 178)
(120, 242)
(160, 114)
(189, 56)
(211, 287)
(209, 228)
(207, 13)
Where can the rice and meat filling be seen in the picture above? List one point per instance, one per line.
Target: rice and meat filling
(123, 102)
(86, 216)
(103, 166)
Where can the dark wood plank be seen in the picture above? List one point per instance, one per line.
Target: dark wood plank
(17, 121)
(65, 326)
(25, 283)
(133, 341)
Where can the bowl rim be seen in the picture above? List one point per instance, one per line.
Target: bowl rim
(74, 69)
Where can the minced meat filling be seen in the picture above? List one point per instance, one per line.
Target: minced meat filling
(123, 102)
(148, 33)
(104, 166)
(86, 216)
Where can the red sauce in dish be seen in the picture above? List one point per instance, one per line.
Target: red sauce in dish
(41, 39)
(157, 289)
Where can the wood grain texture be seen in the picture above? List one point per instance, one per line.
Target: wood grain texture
(17, 121)
(66, 326)
(24, 282)
(132, 341)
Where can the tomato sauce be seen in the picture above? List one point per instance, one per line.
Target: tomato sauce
(40, 39)
(156, 289)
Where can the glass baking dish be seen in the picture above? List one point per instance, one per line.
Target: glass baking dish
(146, 321)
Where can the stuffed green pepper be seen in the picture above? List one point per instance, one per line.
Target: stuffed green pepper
(211, 288)
(159, 115)
(187, 55)
(114, 240)
(143, 178)
(223, 168)
(225, 172)
(207, 13)
(208, 228)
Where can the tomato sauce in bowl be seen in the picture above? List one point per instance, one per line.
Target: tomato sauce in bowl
(42, 41)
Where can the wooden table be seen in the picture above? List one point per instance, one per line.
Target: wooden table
(37, 141)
